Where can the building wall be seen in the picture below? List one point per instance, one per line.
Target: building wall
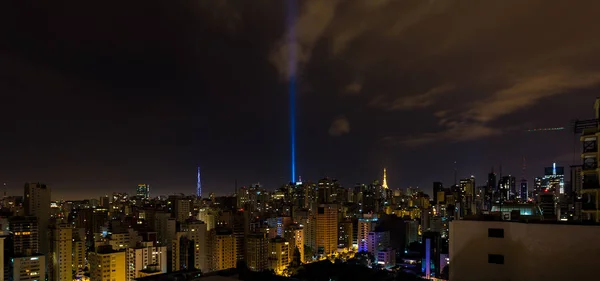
(29, 268)
(531, 251)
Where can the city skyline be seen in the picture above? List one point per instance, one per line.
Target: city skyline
(105, 104)
(481, 180)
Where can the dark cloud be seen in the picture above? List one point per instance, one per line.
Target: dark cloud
(339, 126)
(129, 93)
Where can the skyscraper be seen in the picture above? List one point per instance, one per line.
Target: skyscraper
(36, 203)
(61, 253)
(223, 249)
(257, 252)
(326, 229)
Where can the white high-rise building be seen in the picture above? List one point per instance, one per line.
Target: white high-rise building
(61, 251)
(147, 259)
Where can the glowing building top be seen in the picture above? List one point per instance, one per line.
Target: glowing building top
(385, 186)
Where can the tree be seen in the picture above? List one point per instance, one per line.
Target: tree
(296, 260)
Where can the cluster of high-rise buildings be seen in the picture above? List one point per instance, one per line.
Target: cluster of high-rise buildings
(501, 226)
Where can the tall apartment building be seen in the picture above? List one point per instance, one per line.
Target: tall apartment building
(61, 253)
(326, 228)
(107, 264)
(295, 235)
(25, 238)
(223, 249)
(145, 259)
(36, 203)
(365, 225)
(279, 254)
(166, 228)
(182, 208)
(257, 251)
(78, 260)
(190, 247)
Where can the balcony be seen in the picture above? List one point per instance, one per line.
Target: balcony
(590, 163)
(590, 182)
(590, 145)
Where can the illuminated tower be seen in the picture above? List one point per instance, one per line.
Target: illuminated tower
(199, 185)
(385, 186)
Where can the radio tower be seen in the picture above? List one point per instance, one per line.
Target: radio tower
(199, 185)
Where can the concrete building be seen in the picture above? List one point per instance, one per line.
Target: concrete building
(36, 202)
(365, 225)
(378, 240)
(29, 268)
(192, 241)
(223, 249)
(279, 254)
(326, 229)
(257, 251)
(107, 265)
(183, 209)
(78, 259)
(61, 253)
(25, 235)
(165, 225)
(507, 250)
(295, 235)
(145, 259)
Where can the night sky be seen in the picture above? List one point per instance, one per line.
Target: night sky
(99, 98)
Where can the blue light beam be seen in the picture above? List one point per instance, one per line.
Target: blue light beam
(291, 16)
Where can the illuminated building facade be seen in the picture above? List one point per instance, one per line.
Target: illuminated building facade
(61, 253)
(279, 254)
(143, 191)
(107, 265)
(295, 235)
(223, 249)
(326, 229)
(29, 268)
(145, 258)
(257, 251)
